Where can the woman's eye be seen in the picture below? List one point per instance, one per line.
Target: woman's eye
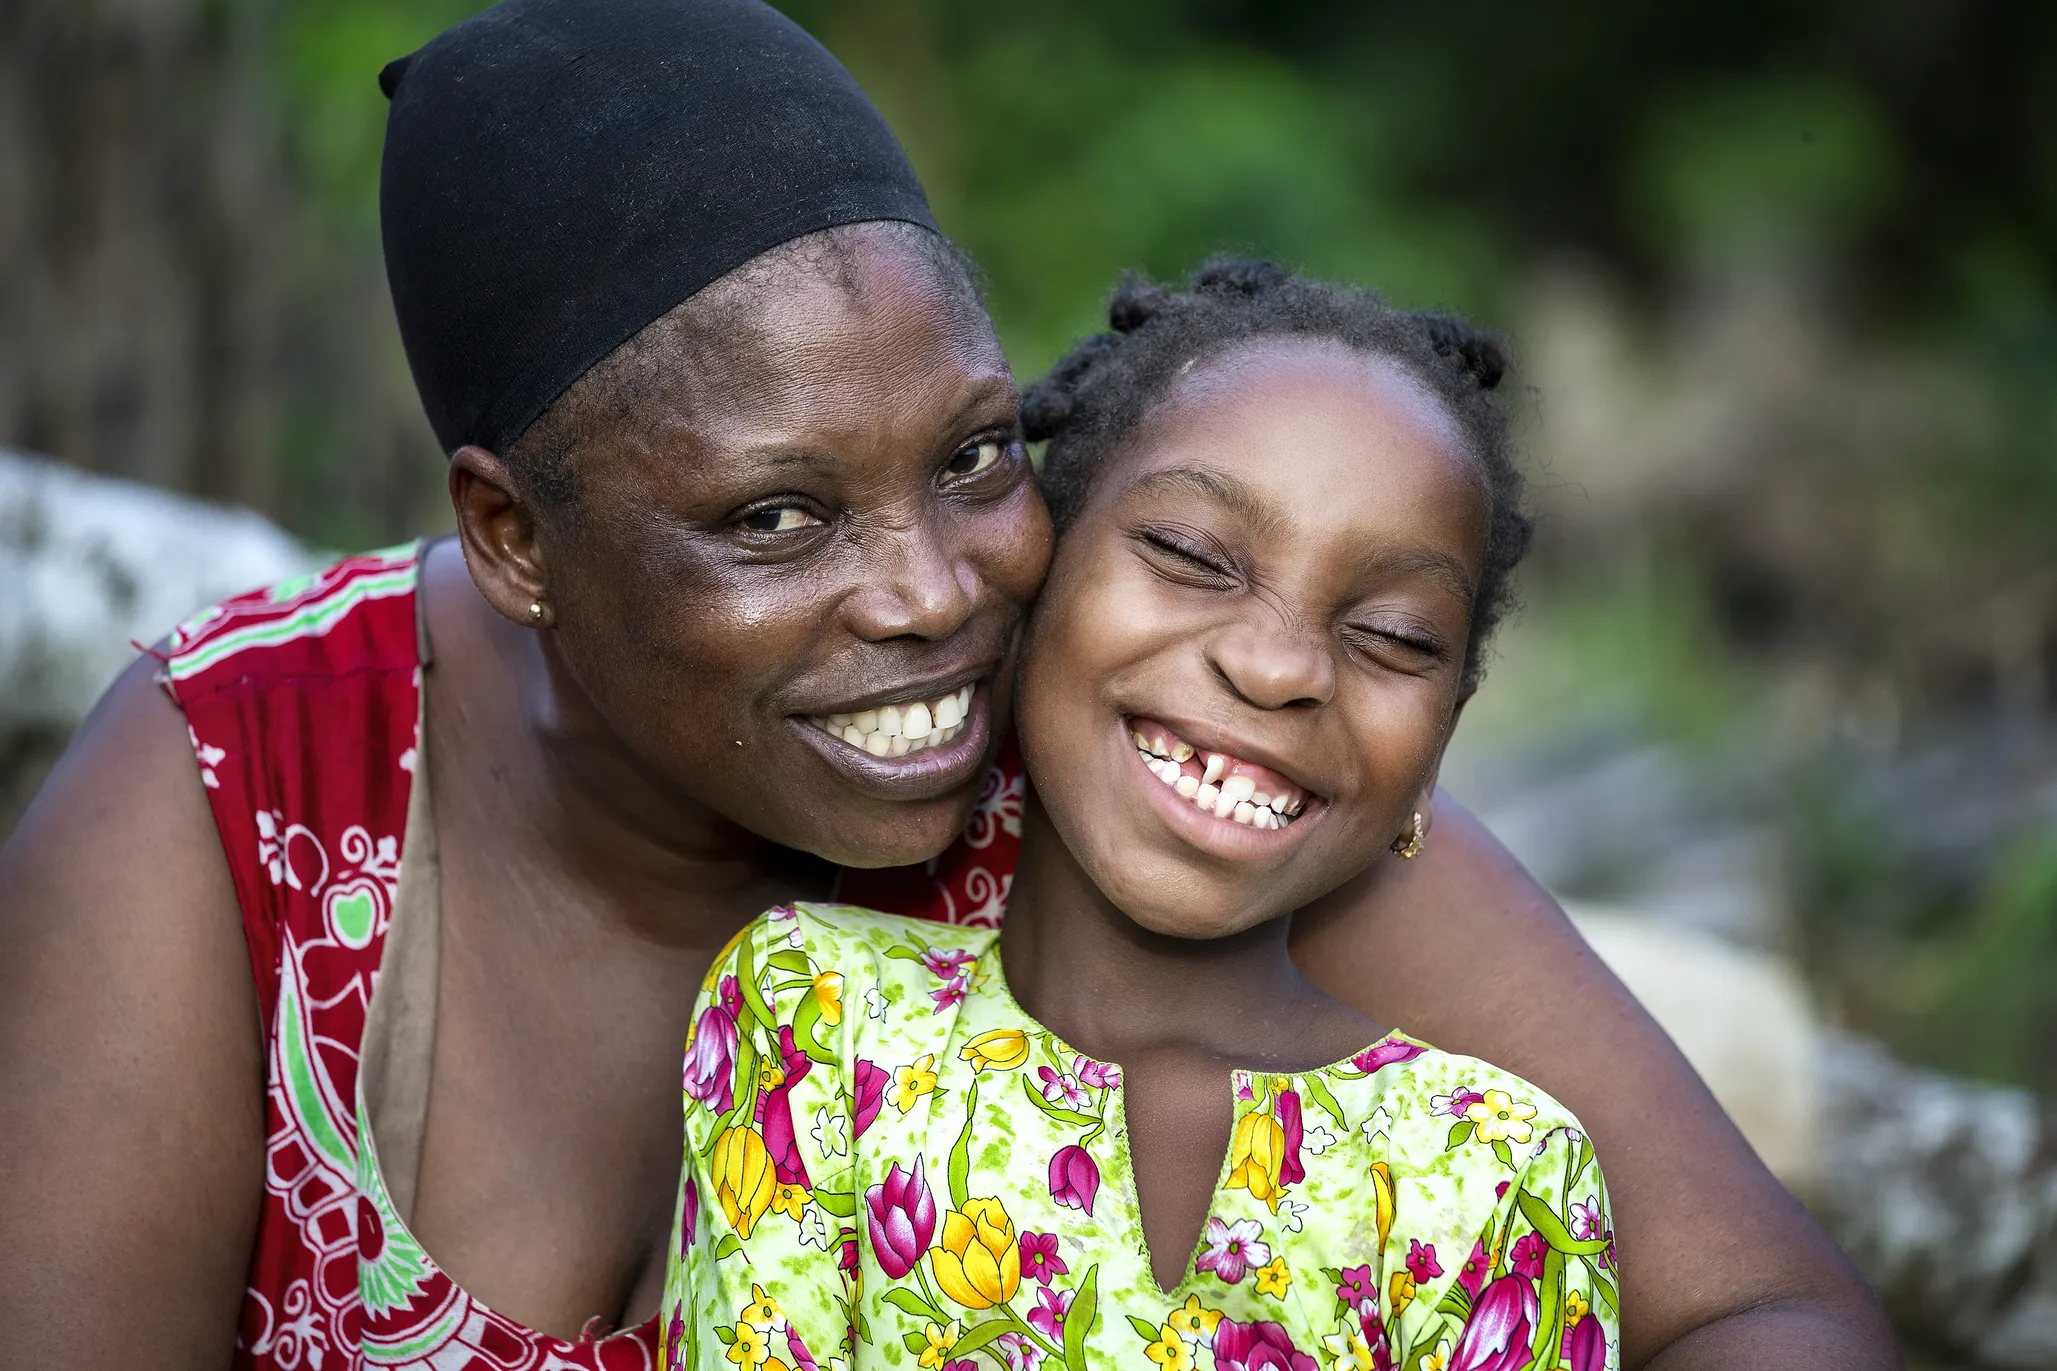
(973, 458)
(778, 519)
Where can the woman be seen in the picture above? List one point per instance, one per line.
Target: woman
(690, 535)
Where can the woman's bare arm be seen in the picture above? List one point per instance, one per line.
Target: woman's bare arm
(1720, 1265)
(131, 1058)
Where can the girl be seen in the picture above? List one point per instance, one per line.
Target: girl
(1288, 520)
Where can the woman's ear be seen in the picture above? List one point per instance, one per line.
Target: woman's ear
(498, 532)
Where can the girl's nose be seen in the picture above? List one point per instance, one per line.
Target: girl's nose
(1272, 665)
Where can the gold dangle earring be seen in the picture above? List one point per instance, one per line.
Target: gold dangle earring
(1412, 839)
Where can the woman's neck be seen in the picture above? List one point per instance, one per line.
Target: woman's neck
(1114, 989)
(565, 799)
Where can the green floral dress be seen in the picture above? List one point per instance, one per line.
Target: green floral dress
(889, 1163)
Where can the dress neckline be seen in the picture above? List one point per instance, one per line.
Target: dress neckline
(1242, 1086)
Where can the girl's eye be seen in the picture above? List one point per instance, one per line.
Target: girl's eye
(973, 458)
(778, 519)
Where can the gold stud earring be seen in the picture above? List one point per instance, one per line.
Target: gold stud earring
(1412, 839)
(536, 611)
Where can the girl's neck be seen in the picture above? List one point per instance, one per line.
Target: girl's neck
(1114, 989)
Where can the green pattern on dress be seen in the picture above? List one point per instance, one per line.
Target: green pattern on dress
(889, 1163)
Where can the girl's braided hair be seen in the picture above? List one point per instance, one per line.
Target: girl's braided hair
(1099, 392)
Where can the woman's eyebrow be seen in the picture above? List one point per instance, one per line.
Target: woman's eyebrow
(1219, 487)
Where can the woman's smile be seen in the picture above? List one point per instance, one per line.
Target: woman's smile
(920, 742)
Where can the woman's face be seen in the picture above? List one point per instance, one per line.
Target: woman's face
(1249, 654)
(796, 597)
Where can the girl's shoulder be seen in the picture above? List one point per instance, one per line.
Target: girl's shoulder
(895, 966)
(852, 938)
(1429, 1102)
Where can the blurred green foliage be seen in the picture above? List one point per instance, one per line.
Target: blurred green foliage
(1899, 155)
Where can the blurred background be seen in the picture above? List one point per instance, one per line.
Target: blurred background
(1782, 278)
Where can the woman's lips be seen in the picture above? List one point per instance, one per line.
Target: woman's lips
(906, 768)
(1218, 783)
(899, 729)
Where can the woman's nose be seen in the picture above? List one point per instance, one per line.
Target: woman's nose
(914, 586)
(1272, 664)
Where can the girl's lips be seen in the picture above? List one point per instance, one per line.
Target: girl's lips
(1221, 784)
(1228, 837)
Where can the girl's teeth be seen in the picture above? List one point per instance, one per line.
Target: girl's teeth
(865, 721)
(1235, 798)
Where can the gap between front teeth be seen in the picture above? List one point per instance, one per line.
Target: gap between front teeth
(896, 730)
(1236, 798)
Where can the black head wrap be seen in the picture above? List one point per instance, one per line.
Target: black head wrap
(560, 173)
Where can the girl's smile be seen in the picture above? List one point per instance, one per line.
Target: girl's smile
(1219, 782)
(1210, 798)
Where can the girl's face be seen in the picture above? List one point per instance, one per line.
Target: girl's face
(1249, 654)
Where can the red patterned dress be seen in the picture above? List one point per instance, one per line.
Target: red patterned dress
(302, 702)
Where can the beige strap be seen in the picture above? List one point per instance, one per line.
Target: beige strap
(397, 1055)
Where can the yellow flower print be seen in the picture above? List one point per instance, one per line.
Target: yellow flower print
(1003, 1049)
(1195, 1322)
(743, 1177)
(828, 992)
(1382, 1192)
(1255, 1155)
(977, 1261)
(789, 1199)
(750, 1348)
(763, 1312)
(770, 1075)
(1170, 1350)
(1399, 1293)
(1575, 1308)
(940, 1341)
(1438, 1359)
(1498, 1117)
(1347, 1352)
(911, 1082)
(1272, 1280)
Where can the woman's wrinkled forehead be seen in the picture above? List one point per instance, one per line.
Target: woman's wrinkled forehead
(850, 326)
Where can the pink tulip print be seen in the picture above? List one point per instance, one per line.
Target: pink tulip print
(901, 1214)
(1074, 1178)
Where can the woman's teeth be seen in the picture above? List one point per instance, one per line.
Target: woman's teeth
(1221, 786)
(896, 730)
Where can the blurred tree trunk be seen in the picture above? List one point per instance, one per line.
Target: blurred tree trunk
(145, 224)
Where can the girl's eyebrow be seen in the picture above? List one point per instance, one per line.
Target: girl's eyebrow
(1445, 570)
(1219, 487)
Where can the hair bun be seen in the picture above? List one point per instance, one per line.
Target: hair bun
(1044, 409)
(1482, 355)
(1239, 276)
(1046, 406)
(1136, 301)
